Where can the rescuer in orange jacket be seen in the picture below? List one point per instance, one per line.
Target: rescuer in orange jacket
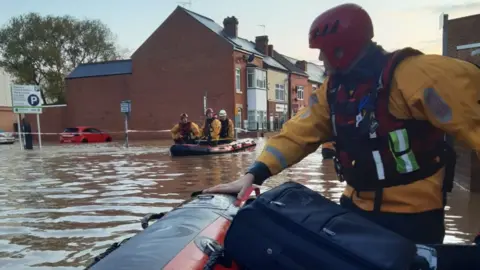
(185, 131)
(211, 128)
(388, 114)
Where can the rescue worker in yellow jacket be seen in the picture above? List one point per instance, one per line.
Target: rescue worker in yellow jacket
(211, 128)
(227, 132)
(185, 131)
(388, 114)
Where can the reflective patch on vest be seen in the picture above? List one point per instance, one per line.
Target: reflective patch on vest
(278, 156)
(437, 106)
(400, 147)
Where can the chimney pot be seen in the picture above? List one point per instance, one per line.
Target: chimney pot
(270, 50)
(261, 44)
(230, 26)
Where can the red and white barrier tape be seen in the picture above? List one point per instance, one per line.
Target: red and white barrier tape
(108, 132)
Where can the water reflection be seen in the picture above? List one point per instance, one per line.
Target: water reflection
(63, 205)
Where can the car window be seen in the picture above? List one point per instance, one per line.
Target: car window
(94, 130)
(71, 130)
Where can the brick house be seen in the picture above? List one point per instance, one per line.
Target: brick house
(316, 75)
(463, 42)
(277, 85)
(7, 117)
(463, 38)
(188, 59)
(297, 85)
(297, 80)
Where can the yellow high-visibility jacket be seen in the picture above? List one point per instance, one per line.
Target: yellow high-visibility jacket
(180, 130)
(214, 130)
(455, 82)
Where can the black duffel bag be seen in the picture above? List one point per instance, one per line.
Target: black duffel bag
(293, 227)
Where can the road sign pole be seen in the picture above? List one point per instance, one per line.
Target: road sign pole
(126, 130)
(39, 132)
(126, 108)
(19, 128)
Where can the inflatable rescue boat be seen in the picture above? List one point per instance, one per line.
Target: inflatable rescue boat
(199, 150)
(182, 239)
(191, 236)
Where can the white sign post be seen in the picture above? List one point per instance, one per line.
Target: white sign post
(26, 99)
(126, 108)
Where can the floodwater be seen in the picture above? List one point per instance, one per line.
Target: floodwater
(64, 204)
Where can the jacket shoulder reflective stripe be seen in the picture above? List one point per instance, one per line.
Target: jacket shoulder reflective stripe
(444, 91)
(300, 135)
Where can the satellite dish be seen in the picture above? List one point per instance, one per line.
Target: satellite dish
(251, 57)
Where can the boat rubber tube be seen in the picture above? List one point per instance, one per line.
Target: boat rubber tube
(181, 239)
(200, 150)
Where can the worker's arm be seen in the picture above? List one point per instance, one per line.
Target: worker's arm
(444, 91)
(231, 129)
(174, 131)
(195, 130)
(299, 137)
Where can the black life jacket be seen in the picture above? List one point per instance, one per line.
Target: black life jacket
(225, 128)
(374, 149)
(207, 128)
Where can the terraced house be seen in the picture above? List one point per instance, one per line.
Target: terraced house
(316, 74)
(188, 63)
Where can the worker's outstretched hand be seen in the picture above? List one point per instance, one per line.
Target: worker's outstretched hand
(238, 186)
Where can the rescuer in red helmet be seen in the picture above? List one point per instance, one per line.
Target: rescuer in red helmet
(211, 128)
(185, 131)
(388, 113)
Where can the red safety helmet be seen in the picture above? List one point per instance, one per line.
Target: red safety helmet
(209, 110)
(341, 33)
(183, 115)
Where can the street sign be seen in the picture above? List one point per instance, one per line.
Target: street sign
(27, 110)
(26, 99)
(126, 106)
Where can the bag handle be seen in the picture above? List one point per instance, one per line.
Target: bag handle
(247, 194)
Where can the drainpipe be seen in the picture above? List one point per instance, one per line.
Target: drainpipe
(449, 139)
(289, 95)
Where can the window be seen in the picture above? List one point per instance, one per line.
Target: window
(314, 87)
(91, 130)
(71, 130)
(261, 78)
(280, 92)
(300, 92)
(238, 80)
(252, 120)
(256, 78)
(250, 77)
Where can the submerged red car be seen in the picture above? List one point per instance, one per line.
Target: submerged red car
(84, 134)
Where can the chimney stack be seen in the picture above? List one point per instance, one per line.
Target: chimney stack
(230, 26)
(261, 44)
(301, 65)
(270, 50)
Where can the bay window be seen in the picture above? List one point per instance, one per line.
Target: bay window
(256, 78)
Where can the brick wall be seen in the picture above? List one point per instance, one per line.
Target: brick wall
(463, 31)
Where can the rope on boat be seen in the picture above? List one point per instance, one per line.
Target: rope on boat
(213, 259)
(109, 250)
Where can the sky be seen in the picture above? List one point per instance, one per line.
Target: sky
(397, 24)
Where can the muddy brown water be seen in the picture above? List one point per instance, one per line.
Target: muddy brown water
(64, 204)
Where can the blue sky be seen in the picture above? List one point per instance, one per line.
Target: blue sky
(397, 24)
